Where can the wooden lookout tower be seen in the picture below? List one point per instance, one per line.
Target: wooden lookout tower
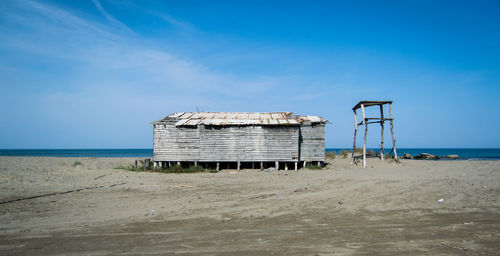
(373, 120)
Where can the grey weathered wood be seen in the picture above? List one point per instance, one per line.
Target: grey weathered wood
(250, 143)
(382, 132)
(261, 166)
(296, 163)
(355, 132)
(217, 168)
(238, 165)
(366, 133)
(392, 133)
(381, 120)
(312, 146)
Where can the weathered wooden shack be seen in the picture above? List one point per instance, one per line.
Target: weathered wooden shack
(234, 139)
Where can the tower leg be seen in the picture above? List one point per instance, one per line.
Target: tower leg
(355, 132)
(366, 132)
(392, 133)
(382, 132)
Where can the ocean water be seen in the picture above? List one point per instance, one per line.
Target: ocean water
(138, 152)
(463, 153)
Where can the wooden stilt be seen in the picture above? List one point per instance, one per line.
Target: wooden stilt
(178, 163)
(195, 163)
(277, 165)
(319, 164)
(355, 132)
(253, 165)
(296, 163)
(238, 165)
(392, 133)
(286, 166)
(366, 133)
(261, 166)
(366, 121)
(217, 168)
(304, 164)
(382, 132)
(169, 164)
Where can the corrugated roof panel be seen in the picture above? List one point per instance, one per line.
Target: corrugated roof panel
(198, 115)
(193, 122)
(241, 118)
(181, 122)
(255, 116)
(176, 114)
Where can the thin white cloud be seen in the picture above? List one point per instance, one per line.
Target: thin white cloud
(110, 17)
(61, 34)
(176, 22)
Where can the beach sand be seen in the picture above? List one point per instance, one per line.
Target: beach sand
(385, 209)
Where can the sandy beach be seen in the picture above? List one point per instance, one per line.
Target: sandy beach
(55, 206)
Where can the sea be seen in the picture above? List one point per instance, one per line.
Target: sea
(463, 153)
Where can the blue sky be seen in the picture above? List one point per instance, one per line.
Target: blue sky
(94, 74)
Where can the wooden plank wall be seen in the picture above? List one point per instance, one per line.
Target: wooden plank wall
(312, 142)
(230, 143)
(171, 143)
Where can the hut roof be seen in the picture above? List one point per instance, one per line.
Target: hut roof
(238, 118)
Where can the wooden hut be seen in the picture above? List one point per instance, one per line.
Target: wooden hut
(233, 139)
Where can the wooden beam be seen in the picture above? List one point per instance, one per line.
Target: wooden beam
(392, 133)
(355, 132)
(217, 168)
(238, 165)
(261, 166)
(277, 165)
(366, 132)
(296, 163)
(382, 132)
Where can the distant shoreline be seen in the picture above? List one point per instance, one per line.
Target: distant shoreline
(463, 153)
